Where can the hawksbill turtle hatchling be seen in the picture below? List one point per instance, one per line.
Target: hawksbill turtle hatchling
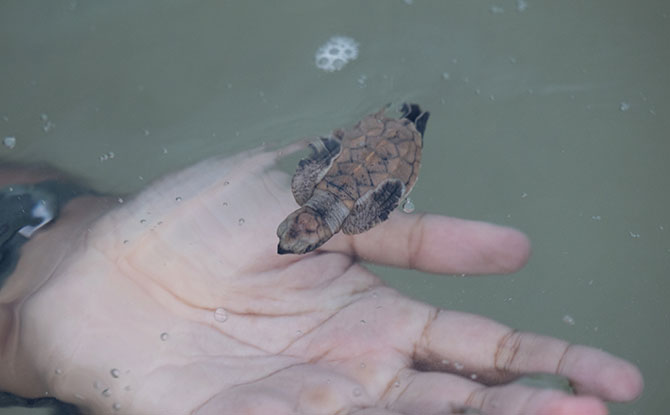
(354, 179)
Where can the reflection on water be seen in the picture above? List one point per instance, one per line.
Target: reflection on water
(548, 116)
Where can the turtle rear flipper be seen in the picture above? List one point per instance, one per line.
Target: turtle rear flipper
(374, 207)
(311, 170)
(413, 113)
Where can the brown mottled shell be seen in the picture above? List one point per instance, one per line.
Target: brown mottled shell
(376, 149)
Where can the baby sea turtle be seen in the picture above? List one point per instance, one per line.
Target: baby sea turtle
(353, 179)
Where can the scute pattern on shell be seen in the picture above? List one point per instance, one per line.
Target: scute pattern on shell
(374, 150)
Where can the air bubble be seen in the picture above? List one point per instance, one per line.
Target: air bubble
(220, 315)
(408, 206)
(336, 53)
(567, 319)
(9, 142)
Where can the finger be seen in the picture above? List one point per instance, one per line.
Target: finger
(466, 343)
(517, 399)
(439, 244)
(438, 393)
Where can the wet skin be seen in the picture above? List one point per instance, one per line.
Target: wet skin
(113, 308)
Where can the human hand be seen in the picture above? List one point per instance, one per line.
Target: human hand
(176, 302)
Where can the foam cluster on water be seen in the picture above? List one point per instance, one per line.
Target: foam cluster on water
(335, 53)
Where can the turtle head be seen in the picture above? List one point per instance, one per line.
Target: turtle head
(302, 231)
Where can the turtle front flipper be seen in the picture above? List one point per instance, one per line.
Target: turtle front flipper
(374, 207)
(311, 170)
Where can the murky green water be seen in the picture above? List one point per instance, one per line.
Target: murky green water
(548, 116)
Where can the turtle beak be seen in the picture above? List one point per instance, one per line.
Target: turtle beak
(282, 251)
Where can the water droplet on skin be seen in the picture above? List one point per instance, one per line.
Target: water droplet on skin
(80, 397)
(624, 106)
(125, 241)
(226, 183)
(445, 362)
(164, 336)
(363, 322)
(106, 392)
(362, 365)
(298, 332)
(58, 371)
(116, 406)
(220, 315)
(396, 384)
(225, 203)
(473, 376)
(177, 199)
(408, 206)
(357, 392)
(240, 221)
(458, 366)
(446, 76)
(127, 388)
(115, 373)
(143, 221)
(120, 200)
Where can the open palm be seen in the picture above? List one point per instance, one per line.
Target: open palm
(176, 302)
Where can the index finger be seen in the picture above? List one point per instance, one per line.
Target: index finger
(438, 244)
